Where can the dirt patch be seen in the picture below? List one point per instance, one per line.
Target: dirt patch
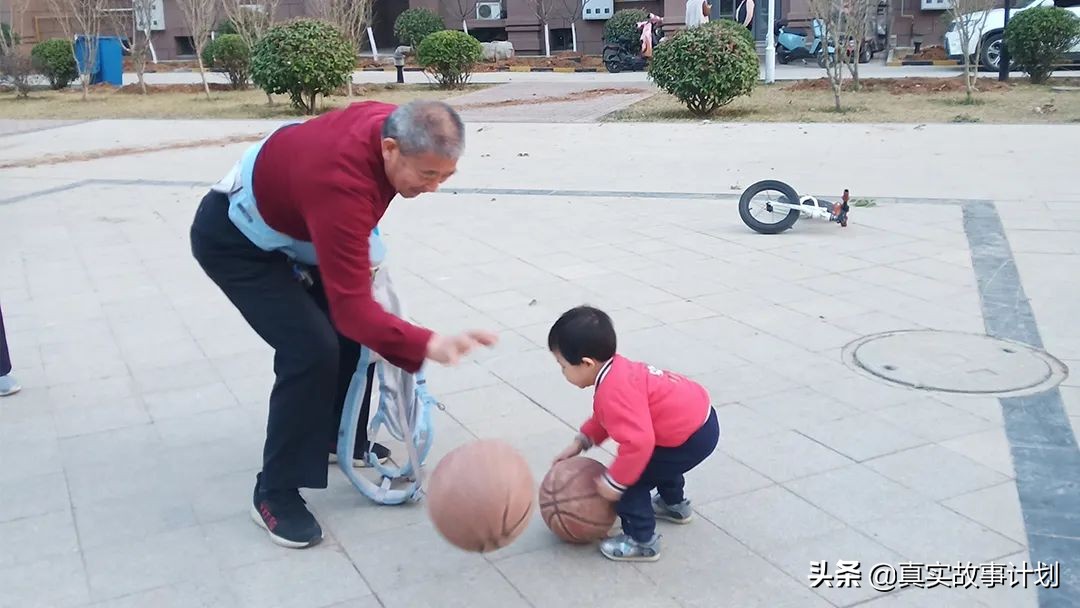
(929, 53)
(901, 86)
(58, 159)
(536, 100)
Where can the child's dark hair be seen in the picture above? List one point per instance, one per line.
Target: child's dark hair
(583, 331)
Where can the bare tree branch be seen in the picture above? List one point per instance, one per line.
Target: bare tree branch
(351, 17)
(200, 16)
(969, 16)
(461, 9)
(252, 18)
(82, 18)
(544, 9)
(837, 29)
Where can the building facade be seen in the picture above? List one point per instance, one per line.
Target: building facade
(513, 20)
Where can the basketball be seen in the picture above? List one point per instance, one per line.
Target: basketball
(480, 495)
(571, 506)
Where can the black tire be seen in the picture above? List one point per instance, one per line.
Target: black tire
(865, 54)
(612, 60)
(986, 51)
(769, 184)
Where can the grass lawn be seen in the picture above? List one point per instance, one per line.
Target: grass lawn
(189, 101)
(884, 100)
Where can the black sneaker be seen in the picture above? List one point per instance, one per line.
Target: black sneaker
(283, 515)
(359, 458)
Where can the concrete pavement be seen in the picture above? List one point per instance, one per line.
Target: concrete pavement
(128, 458)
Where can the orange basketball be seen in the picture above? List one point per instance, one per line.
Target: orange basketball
(571, 506)
(480, 495)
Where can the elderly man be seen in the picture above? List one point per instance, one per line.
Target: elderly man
(285, 235)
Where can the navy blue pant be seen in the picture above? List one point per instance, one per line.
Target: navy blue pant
(5, 356)
(665, 473)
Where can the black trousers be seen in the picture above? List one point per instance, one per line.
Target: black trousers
(665, 473)
(5, 356)
(313, 363)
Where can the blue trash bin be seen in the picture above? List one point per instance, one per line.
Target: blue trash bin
(108, 60)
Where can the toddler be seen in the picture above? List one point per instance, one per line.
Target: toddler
(663, 423)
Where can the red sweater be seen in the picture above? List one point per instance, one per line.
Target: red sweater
(641, 407)
(324, 181)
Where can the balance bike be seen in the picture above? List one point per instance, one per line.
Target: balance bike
(781, 207)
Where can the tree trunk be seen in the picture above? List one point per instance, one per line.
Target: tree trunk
(85, 79)
(202, 72)
(836, 98)
(311, 103)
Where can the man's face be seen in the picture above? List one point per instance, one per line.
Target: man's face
(416, 174)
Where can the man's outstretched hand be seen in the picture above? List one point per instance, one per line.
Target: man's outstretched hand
(448, 350)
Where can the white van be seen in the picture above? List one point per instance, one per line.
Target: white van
(990, 27)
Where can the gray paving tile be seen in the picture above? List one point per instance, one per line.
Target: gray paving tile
(58, 581)
(720, 476)
(216, 425)
(989, 448)
(855, 493)
(122, 568)
(309, 578)
(843, 545)
(767, 517)
(117, 414)
(996, 507)
(23, 458)
(799, 407)
(199, 593)
(407, 555)
(187, 401)
(480, 587)
(32, 538)
(570, 576)
(930, 532)
(130, 518)
(38, 495)
(933, 420)
(731, 384)
(936, 472)
(499, 411)
(784, 455)
(861, 436)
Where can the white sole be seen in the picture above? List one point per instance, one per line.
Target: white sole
(284, 542)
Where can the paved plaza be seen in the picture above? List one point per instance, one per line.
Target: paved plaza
(127, 461)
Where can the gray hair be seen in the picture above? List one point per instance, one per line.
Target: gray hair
(426, 126)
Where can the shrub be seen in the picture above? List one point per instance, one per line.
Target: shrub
(55, 59)
(734, 26)
(302, 58)
(705, 67)
(10, 38)
(17, 67)
(415, 24)
(1038, 37)
(622, 28)
(229, 53)
(450, 56)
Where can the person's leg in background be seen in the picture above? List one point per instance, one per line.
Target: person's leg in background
(8, 385)
(349, 357)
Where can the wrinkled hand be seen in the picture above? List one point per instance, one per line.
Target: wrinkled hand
(571, 450)
(448, 350)
(606, 491)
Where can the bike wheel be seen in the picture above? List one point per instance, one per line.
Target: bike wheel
(775, 220)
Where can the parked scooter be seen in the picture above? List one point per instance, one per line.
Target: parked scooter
(619, 58)
(791, 43)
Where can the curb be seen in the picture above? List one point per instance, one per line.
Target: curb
(925, 62)
(512, 68)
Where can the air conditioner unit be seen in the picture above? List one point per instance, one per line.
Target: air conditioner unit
(489, 10)
(593, 10)
(935, 5)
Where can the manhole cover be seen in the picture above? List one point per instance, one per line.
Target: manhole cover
(955, 362)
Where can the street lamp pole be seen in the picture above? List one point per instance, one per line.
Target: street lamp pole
(770, 46)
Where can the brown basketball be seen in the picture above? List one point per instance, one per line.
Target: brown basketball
(571, 506)
(480, 495)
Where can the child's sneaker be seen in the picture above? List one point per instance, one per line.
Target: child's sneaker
(622, 548)
(8, 386)
(680, 513)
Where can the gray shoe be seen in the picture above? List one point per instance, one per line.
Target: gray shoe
(8, 386)
(680, 513)
(622, 548)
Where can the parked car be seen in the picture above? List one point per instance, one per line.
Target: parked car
(989, 29)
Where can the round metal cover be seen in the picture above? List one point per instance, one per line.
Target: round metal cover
(955, 362)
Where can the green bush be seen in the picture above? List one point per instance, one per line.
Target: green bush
(228, 53)
(415, 24)
(1038, 38)
(226, 27)
(450, 56)
(303, 58)
(55, 59)
(733, 26)
(622, 28)
(705, 67)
